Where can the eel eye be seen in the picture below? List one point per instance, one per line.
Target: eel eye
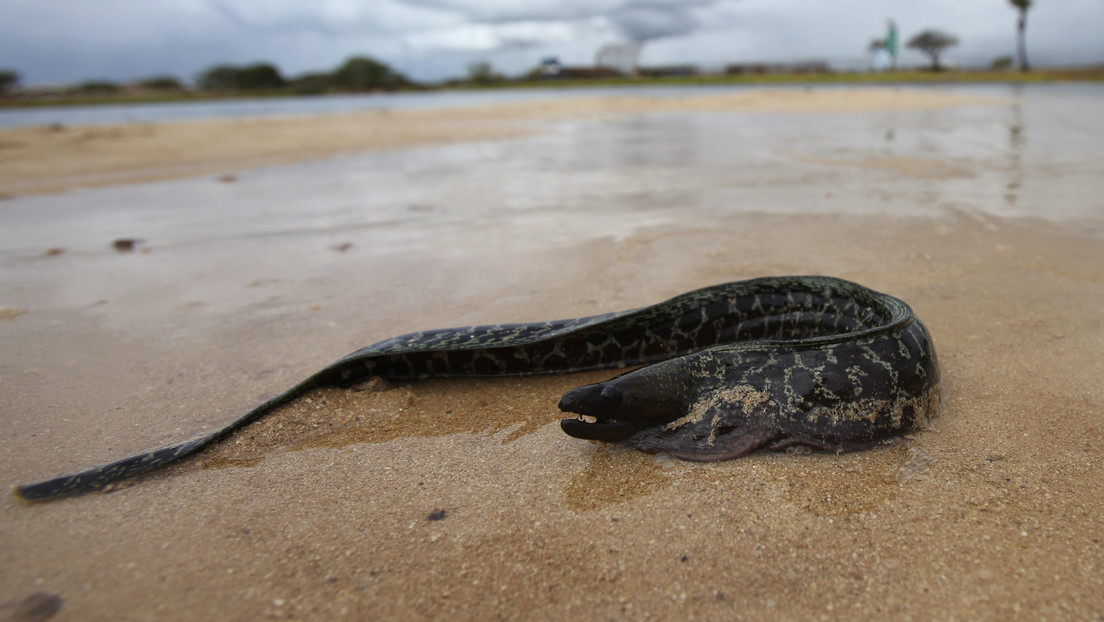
(610, 397)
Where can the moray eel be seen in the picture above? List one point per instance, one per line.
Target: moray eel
(776, 362)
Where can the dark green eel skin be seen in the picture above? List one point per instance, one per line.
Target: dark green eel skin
(774, 362)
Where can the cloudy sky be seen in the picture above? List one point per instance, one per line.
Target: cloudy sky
(54, 41)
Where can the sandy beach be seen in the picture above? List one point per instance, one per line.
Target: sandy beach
(267, 248)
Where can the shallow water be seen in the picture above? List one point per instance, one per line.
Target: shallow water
(1035, 154)
(284, 106)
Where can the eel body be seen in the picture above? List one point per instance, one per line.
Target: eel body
(774, 362)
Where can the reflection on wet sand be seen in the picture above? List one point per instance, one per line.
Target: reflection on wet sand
(333, 417)
(1016, 146)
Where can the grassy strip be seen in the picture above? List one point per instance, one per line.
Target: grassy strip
(889, 77)
(1095, 74)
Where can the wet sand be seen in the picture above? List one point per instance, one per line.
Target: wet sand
(464, 499)
(57, 158)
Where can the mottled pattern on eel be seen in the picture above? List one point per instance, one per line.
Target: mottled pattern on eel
(778, 362)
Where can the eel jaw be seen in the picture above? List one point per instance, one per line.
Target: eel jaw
(596, 401)
(607, 431)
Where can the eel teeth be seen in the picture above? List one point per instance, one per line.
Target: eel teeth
(603, 430)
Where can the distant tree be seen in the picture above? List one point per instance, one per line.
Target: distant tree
(1002, 63)
(876, 45)
(1021, 32)
(933, 43)
(218, 78)
(310, 84)
(260, 76)
(361, 73)
(230, 78)
(161, 83)
(8, 80)
(483, 73)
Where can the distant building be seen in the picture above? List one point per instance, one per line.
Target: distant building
(620, 57)
(550, 67)
(880, 59)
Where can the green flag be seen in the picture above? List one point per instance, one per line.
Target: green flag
(891, 41)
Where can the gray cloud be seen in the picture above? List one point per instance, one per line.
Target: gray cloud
(508, 26)
(635, 20)
(644, 21)
(62, 40)
(291, 21)
(503, 11)
(328, 17)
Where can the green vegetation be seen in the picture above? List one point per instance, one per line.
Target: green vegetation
(357, 74)
(8, 80)
(96, 87)
(361, 73)
(1093, 74)
(933, 43)
(259, 76)
(161, 83)
(483, 74)
(310, 84)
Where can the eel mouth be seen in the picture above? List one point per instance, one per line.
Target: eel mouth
(596, 402)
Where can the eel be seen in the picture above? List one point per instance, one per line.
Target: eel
(774, 362)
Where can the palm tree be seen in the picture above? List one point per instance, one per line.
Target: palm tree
(1021, 31)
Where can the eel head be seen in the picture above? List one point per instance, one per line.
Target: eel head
(649, 397)
(682, 406)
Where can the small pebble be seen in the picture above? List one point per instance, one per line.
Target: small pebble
(125, 245)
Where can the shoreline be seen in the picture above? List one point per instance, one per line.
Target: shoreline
(917, 77)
